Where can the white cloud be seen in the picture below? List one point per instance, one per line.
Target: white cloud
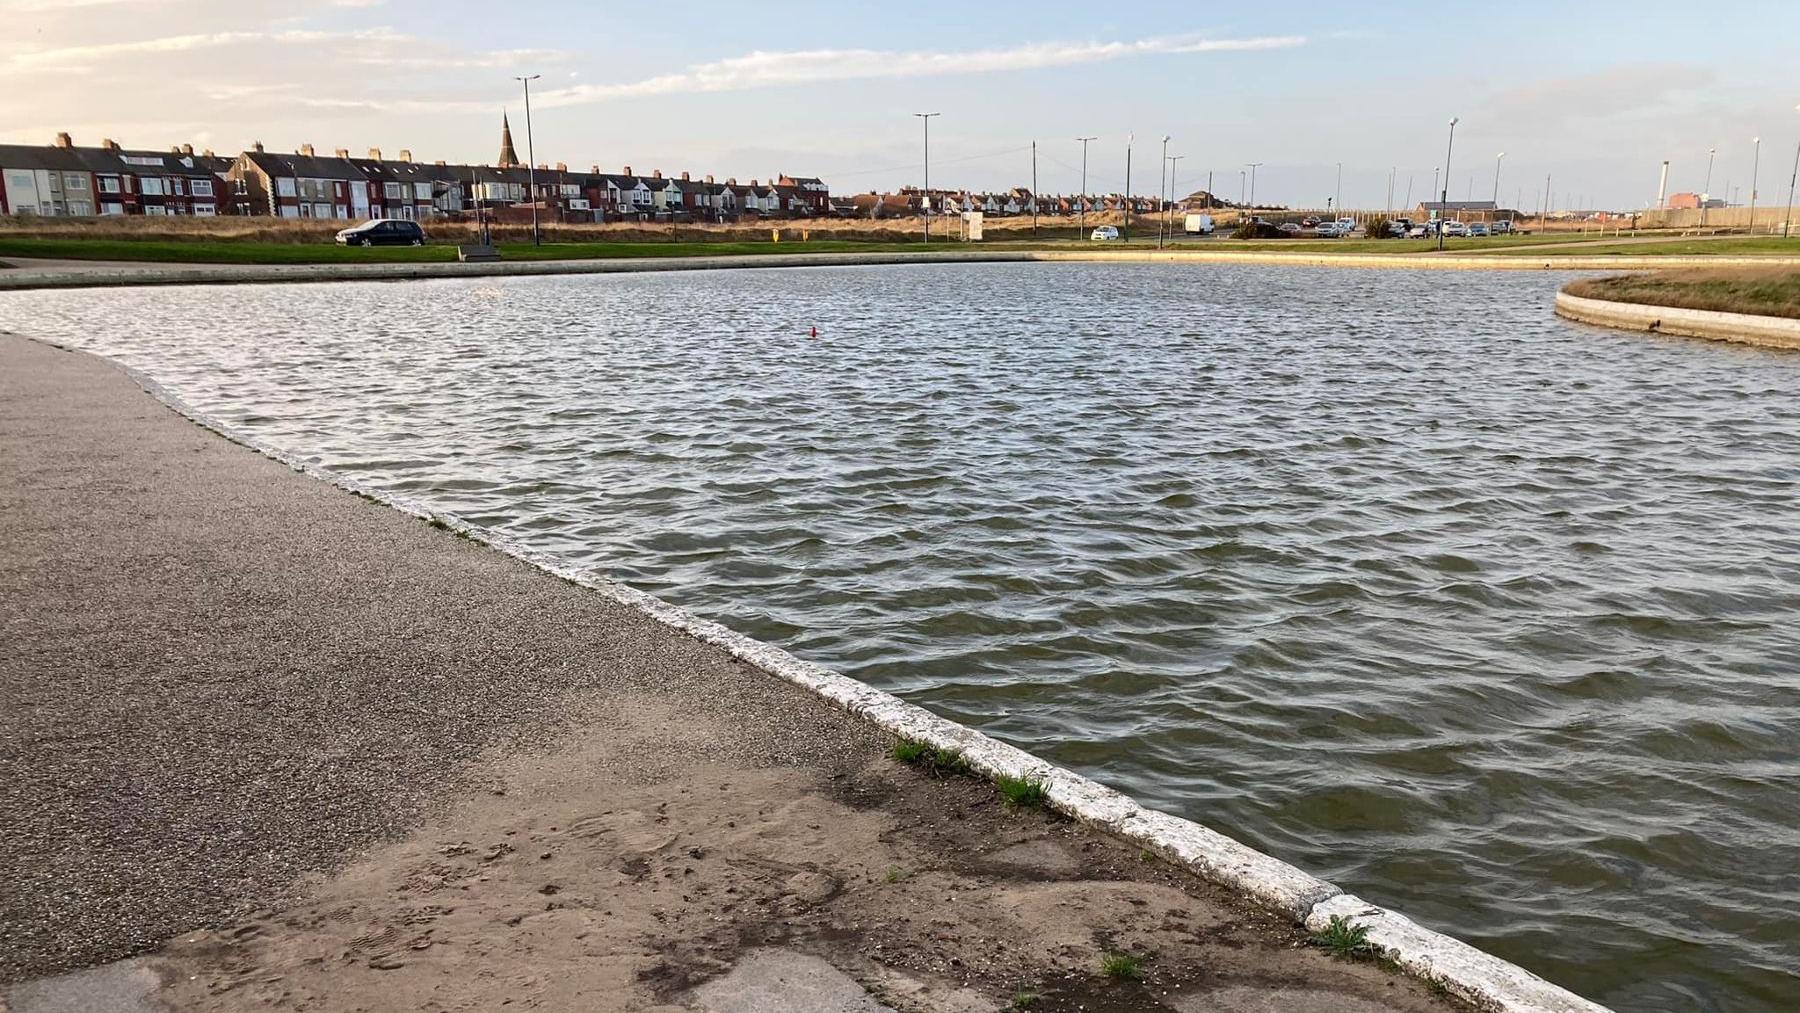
(769, 69)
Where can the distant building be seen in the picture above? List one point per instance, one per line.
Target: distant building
(1465, 210)
(62, 180)
(1687, 201)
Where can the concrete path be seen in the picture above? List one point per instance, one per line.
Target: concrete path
(293, 749)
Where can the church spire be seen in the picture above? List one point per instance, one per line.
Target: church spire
(508, 157)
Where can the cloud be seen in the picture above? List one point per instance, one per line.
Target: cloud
(771, 69)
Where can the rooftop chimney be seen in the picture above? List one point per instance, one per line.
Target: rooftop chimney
(256, 146)
(595, 169)
(187, 149)
(753, 182)
(731, 181)
(63, 140)
(684, 176)
(440, 162)
(655, 173)
(405, 154)
(343, 152)
(305, 149)
(709, 178)
(109, 144)
(209, 153)
(174, 149)
(562, 167)
(627, 170)
(543, 168)
(375, 153)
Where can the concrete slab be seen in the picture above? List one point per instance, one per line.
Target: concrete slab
(1276, 999)
(783, 981)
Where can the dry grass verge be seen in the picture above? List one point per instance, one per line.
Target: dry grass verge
(1771, 292)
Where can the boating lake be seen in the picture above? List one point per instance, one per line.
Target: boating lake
(1483, 615)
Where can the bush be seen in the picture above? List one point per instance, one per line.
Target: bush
(1258, 230)
(1377, 228)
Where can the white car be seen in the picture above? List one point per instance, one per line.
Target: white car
(1332, 230)
(1105, 232)
(1453, 228)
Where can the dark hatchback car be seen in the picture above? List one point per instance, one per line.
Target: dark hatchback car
(383, 232)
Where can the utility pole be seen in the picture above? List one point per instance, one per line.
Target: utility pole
(1393, 170)
(1211, 202)
(1162, 194)
(1497, 159)
(1241, 201)
(1081, 228)
(1792, 176)
(925, 118)
(1337, 194)
(1253, 166)
(1448, 148)
(531, 160)
(1544, 219)
(1662, 187)
(1706, 191)
(1034, 193)
(1755, 164)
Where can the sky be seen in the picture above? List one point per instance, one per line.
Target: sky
(1593, 95)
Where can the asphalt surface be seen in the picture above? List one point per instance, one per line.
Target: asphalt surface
(218, 675)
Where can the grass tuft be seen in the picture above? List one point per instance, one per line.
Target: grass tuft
(935, 761)
(1344, 939)
(908, 751)
(1022, 792)
(894, 874)
(1024, 1000)
(1122, 967)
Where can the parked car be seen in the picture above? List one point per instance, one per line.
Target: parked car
(1198, 225)
(1453, 228)
(383, 232)
(1420, 231)
(1288, 227)
(1105, 232)
(1398, 228)
(1308, 222)
(1330, 230)
(1503, 227)
(1479, 229)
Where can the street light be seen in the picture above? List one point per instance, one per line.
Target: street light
(1081, 213)
(1497, 159)
(530, 159)
(1162, 193)
(1755, 163)
(1129, 138)
(1444, 199)
(1169, 212)
(1706, 191)
(1253, 166)
(926, 119)
(1338, 193)
(1795, 174)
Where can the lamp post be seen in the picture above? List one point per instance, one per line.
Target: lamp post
(1170, 213)
(530, 159)
(1337, 194)
(1081, 212)
(1755, 164)
(1162, 194)
(1129, 138)
(1252, 166)
(925, 118)
(1706, 191)
(1792, 176)
(1497, 159)
(1445, 198)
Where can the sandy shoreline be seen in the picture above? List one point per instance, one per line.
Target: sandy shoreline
(305, 750)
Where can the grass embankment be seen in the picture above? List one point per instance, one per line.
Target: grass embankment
(225, 251)
(1762, 291)
(1737, 247)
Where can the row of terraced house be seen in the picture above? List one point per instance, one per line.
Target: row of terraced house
(62, 179)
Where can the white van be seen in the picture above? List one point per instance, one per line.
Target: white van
(1198, 225)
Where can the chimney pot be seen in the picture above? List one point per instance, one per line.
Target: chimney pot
(306, 149)
(256, 146)
(595, 169)
(655, 173)
(709, 178)
(343, 152)
(627, 171)
(405, 154)
(209, 153)
(439, 162)
(684, 176)
(187, 149)
(562, 167)
(63, 140)
(731, 181)
(109, 144)
(375, 153)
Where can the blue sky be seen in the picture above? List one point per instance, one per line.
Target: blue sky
(1593, 94)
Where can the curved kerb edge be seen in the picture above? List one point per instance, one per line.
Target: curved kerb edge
(1487, 981)
(1742, 328)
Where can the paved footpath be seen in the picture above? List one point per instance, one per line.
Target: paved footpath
(266, 744)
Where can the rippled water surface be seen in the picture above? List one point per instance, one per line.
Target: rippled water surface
(1480, 614)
